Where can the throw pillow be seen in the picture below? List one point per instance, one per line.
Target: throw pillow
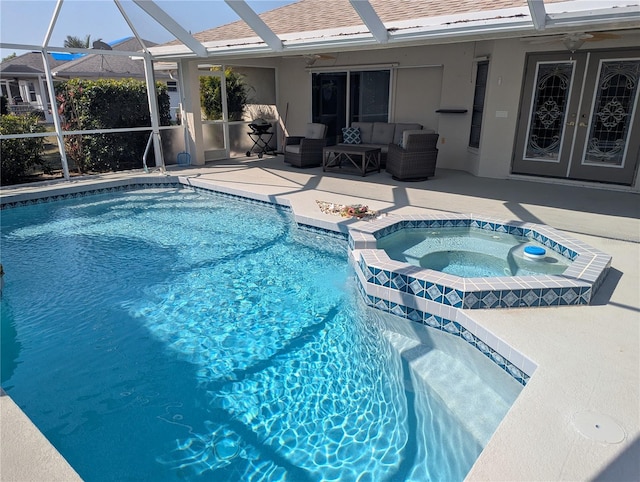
(351, 135)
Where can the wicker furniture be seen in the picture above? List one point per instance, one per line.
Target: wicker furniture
(382, 134)
(416, 159)
(363, 158)
(306, 151)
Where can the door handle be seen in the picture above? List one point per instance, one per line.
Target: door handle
(571, 123)
(582, 124)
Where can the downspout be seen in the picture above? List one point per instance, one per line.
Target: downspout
(153, 110)
(54, 113)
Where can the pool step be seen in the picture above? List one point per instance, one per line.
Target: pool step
(469, 398)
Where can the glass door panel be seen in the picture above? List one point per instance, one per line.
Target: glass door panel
(329, 99)
(609, 130)
(213, 111)
(369, 96)
(548, 115)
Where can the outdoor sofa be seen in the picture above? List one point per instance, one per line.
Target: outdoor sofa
(377, 134)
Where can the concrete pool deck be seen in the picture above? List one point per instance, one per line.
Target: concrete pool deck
(588, 357)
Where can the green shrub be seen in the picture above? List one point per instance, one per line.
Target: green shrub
(106, 104)
(211, 96)
(19, 156)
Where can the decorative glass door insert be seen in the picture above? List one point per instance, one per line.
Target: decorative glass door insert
(613, 110)
(548, 111)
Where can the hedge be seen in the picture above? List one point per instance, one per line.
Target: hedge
(107, 104)
(20, 156)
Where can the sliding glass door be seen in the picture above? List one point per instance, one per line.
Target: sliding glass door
(340, 98)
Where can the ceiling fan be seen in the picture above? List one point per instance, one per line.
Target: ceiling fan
(573, 40)
(310, 59)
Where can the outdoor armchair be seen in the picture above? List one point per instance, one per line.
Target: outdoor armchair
(306, 151)
(415, 159)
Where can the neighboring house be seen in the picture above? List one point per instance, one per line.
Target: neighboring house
(513, 87)
(24, 84)
(23, 78)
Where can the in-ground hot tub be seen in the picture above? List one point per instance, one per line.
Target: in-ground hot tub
(581, 268)
(471, 252)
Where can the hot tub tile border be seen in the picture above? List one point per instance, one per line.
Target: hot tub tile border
(575, 286)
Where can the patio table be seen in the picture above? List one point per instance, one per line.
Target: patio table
(363, 158)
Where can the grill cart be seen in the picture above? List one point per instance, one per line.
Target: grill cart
(261, 135)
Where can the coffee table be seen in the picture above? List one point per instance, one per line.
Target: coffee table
(363, 158)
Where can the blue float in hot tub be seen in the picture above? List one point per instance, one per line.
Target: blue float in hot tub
(534, 252)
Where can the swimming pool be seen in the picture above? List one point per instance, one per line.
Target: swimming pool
(166, 334)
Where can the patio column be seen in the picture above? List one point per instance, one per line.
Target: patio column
(191, 106)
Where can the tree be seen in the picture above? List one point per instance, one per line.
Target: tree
(77, 43)
(10, 56)
(211, 97)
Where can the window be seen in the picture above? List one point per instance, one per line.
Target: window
(172, 86)
(478, 103)
(32, 92)
(340, 98)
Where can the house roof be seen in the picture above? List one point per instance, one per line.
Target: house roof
(29, 64)
(109, 66)
(312, 15)
(313, 25)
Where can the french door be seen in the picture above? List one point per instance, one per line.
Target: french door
(579, 117)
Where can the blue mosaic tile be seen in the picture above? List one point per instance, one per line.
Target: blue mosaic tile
(530, 298)
(451, 327)
(498, 359)
(434, 292)
(468, 336)
(550, 297)
(416, 287)
(433, 321)
(399, 282)
(471, 301)
(452, 297)
(510, 298)
(415, 315)
(398, 310)
(489, 300)
(569, 296)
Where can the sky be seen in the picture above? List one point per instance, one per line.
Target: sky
(27, 21)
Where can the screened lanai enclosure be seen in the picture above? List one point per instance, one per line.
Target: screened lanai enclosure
(472, 75)
(42, 91)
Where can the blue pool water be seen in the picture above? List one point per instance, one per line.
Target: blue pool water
(470, 252)
(170, 334)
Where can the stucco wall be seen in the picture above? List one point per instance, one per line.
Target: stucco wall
(427, 78)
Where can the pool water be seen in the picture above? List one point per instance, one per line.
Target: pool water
(171, 334)
(470, 252)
